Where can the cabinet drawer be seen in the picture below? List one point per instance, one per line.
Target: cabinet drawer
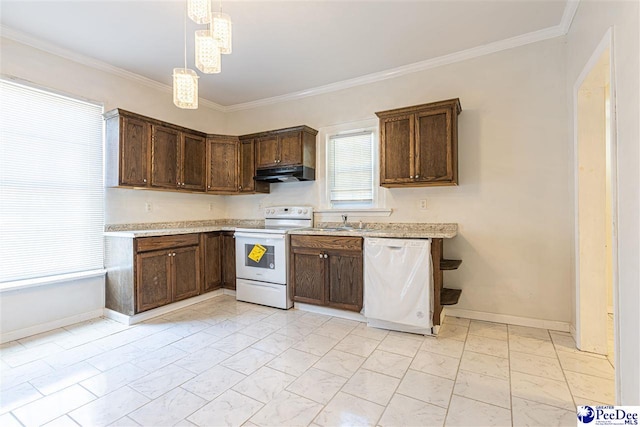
(145, 244)
(327, 242)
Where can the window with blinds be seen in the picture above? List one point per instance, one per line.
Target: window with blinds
(350, 169)
(51, 189)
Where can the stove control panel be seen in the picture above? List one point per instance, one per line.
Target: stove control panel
(288, 212)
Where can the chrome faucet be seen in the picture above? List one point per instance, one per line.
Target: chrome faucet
(344, 221)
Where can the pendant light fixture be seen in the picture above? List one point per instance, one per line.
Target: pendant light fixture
(221, 30)
(199, 11)
(207, 52)
(209, 45)
(185, 81)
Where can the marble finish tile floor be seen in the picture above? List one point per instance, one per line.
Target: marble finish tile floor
(223, 362)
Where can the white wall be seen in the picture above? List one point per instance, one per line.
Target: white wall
(26, 311)
(590, 24)
(33, 310)
(121, 206)
(513, 204)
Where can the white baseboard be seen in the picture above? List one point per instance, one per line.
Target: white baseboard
(574, 334)
(44, 327)
(137, 318)
(343, 314)
(511, 320)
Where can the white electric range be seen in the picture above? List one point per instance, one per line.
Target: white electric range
(262, 256)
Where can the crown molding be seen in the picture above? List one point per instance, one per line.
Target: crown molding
(51, 48)
(463, 55)
(547, 33)
(569, 13)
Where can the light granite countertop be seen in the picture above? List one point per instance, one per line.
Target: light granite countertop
(388, 230)
(156, 229)
(406, 230)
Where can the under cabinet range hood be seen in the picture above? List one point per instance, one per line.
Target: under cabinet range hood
(286, 174)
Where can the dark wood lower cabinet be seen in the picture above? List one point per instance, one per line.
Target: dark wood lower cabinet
(327, 271)
(153, 279)
(212, 258)
(345, 280)
(167, 274)
(186, 272)
(308, 276)
(149, 272)
(228, 260)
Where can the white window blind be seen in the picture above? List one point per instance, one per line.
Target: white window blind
(350, 169)
(51, 190)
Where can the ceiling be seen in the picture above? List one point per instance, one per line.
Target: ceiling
(279, 47)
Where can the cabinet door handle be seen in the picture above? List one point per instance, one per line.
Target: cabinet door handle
(144, 180)
(326, 256)
(320, 255)
(411, 177)
(417, 176)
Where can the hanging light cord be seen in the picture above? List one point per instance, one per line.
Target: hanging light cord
(185, 35)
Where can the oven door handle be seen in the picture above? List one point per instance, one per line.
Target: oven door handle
(259, 235)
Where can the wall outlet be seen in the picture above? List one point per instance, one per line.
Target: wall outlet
(422, 204)
(148, 207)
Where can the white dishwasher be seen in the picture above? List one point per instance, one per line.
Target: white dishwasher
(398, 284)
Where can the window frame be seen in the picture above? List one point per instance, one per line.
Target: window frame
(377, 206)
(55, 277)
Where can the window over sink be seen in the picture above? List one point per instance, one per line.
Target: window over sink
(351, 167)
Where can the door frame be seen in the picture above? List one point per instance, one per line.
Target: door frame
(607, 42)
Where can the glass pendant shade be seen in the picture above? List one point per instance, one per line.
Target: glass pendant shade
(185, 88)
(221, 28)
(207, 53)
(199, 11)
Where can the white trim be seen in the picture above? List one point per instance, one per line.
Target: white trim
(605, 43)
(49, 280)
(51, 48)
(49, 326)
(360, 212)
(328, 311)
(521, 40)
(569, 13)
(150, 314)
(508, 319)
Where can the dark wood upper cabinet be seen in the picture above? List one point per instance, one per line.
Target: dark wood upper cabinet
(144, 152)
(224, 164)
(419, 145)
(248, 169)
(327, 271)
(128, 150)
(267, 152)
(165, 144)
(193, 162)
(294, 146)
(149, 153)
